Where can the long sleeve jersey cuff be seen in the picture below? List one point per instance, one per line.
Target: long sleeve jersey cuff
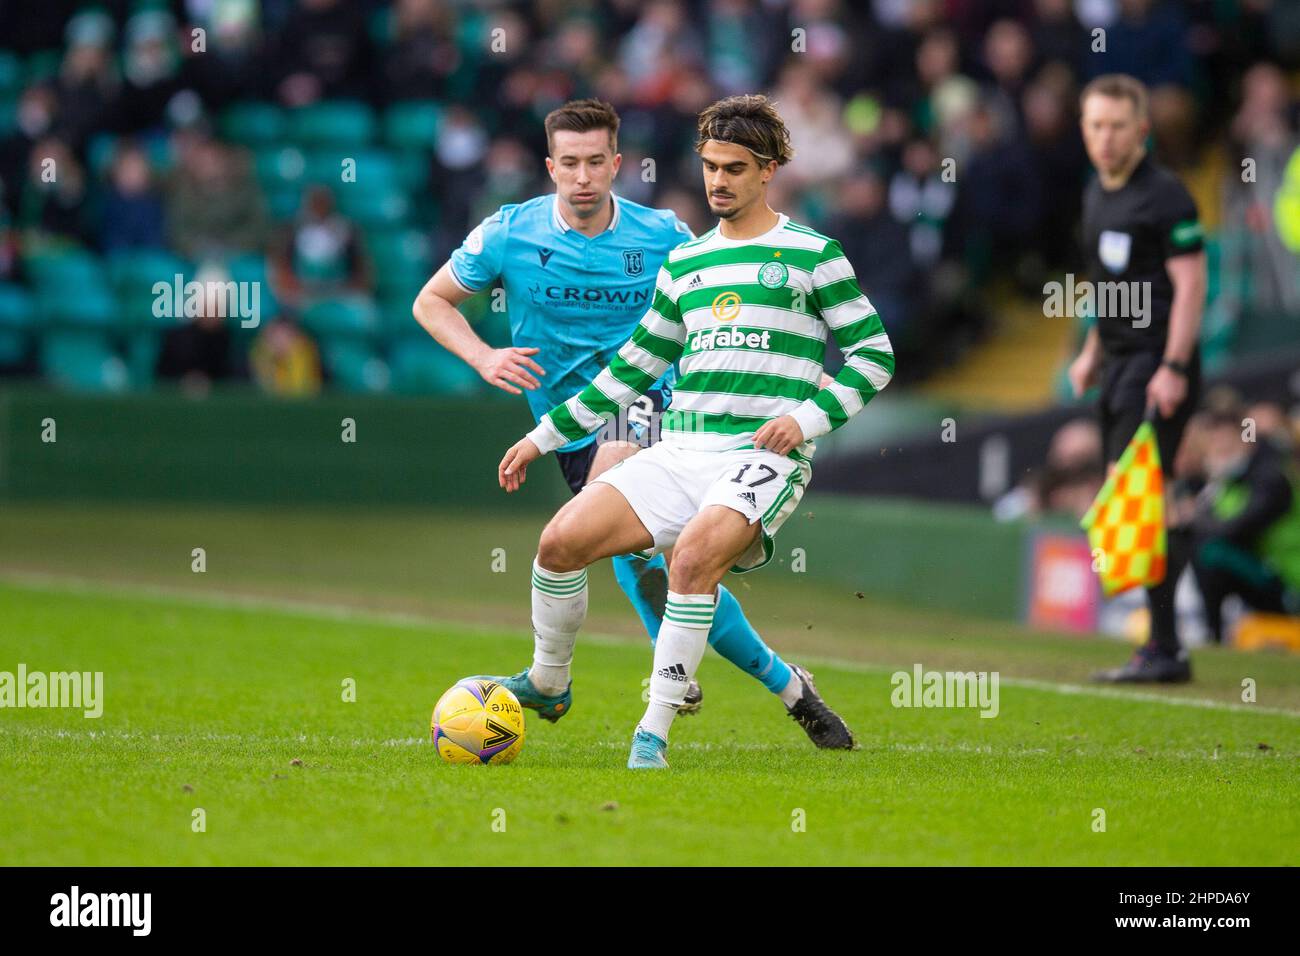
(813, 421)
(546, 436)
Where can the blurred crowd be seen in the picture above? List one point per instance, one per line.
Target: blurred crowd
(937, 139)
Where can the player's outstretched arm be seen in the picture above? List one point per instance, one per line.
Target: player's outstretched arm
(435, 308)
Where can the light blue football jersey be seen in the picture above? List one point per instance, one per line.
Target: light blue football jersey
(575, 299)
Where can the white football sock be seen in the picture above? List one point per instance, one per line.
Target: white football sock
(682, 638)
(559, 608)
(792, 690)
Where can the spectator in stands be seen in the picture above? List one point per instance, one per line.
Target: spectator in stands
(921, 200)
(214, 205)
(1262, 137)
(938, 61)
(322, 254)
(35, 115)
(738, 45)
(663, 44)
(1001, 200)
(812, 113)
(1057, 35)
(876, 244)
(284, 361)
(1058, 158)
(150, 71)
(1008, 55)
(131, 216)
(53, 205)
(1068, 482)
(198, 352)
(423, 53)
(1148, 41)
(462, 144)
(87, 83)
(231, 65)
(1248, 528)
(323, 52)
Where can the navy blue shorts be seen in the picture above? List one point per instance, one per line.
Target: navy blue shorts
(639, 424)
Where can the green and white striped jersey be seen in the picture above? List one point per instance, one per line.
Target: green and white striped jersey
(747, 319)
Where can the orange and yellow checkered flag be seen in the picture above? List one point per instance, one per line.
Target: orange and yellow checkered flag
(1126, 524)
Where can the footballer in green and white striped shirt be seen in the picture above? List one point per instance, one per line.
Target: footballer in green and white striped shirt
(747, 319)
(745, 310)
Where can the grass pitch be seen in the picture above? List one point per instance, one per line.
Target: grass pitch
(224, 692)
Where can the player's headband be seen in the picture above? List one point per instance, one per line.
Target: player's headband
(729, 142)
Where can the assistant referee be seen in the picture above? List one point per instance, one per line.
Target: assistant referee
(1140, 228)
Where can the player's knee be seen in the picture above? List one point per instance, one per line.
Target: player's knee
(693, 571)
(558, 550)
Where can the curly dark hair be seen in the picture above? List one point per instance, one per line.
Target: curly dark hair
(750, 121)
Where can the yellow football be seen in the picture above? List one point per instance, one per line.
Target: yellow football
(478, 721)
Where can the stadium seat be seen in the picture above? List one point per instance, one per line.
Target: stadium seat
(355, 367)
(252, 268)
(494, 328)
(43, 65)
(403, 261)
(283, 201)
(11, 72)
(421, 366)
(13, 347)
(413, 170)
(142, 349)
(253, 123)
(17, 317)
(396, 321)
(99, 153)
(341, 316)
(409, 247)
(134, 274)
(413, 124)
(395, 302)
(17, 310)
(62, 267)
(332, 123)
(370, 205)
(280, 166)
(78, 307)
(82, 360)
(375, 168)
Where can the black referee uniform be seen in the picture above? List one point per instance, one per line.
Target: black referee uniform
(1129, 234)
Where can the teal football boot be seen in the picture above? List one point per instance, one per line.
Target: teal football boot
(647, 752)
(548, 708)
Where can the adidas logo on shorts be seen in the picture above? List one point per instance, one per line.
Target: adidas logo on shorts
(750, 497)
(676, 672)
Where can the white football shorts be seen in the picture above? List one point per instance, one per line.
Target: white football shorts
(667, 485)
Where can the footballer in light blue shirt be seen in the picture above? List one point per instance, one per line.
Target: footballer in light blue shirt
(578, 267)
(575, 298)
